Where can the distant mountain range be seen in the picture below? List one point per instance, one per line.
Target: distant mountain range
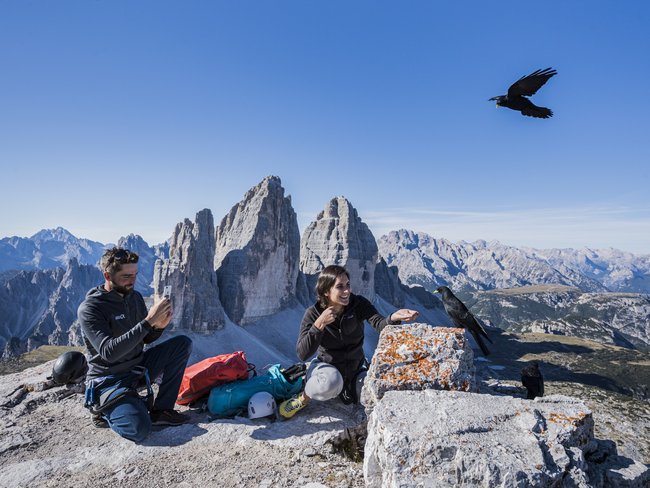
(431, 262)
(254, 266)
(621, 319)
(47, 249)
(55, 248)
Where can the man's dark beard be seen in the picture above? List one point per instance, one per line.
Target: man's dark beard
(123, 290)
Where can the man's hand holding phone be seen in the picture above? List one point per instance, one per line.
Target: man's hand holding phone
(160, 313)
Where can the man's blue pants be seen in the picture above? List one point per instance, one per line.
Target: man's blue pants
(130, 418)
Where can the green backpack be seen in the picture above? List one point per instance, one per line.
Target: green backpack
(232, 398)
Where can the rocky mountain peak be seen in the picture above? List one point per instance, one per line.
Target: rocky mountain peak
(48, 248)
(338, 236)
(189, 272)
(58, 234)
(257, 251)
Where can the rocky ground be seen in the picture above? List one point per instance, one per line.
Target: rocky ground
(614, 382)
(47, 439)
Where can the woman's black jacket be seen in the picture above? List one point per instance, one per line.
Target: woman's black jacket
(341, 342)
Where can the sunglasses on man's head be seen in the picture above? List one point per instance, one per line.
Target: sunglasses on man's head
(123, 256)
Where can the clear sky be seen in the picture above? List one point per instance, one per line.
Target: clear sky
(122, 117)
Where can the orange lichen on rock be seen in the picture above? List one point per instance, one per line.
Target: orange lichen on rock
(564, 420)
(409, 360)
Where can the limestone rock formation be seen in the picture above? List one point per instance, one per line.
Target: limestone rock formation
(189, 272)
(416, 357)
(257, 252)
(388, 285)
(428, 427)
(338, 236)
(451, 438)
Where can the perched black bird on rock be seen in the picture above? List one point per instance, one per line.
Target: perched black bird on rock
(461, 317)
(532, 379)
(527, 86)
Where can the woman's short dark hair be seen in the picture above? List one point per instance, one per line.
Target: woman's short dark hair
(326, 281)
(114, 258)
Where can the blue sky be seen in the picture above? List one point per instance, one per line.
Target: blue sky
(129, 116)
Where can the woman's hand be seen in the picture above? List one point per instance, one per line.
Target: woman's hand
(405, 315)
(327, 317)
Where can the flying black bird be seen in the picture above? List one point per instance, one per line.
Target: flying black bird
(527, 86)
(532, 379)
(461, 317)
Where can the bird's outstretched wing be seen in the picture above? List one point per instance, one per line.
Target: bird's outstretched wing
(528, 85)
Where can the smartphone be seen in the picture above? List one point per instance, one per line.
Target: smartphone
(167, 292)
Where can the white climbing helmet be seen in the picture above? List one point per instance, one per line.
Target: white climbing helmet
(261, 404)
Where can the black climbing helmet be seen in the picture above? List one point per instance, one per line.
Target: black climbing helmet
(70, 367)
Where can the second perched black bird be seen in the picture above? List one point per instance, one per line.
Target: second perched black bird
(461, 317)
(527, 86)
(532, 379)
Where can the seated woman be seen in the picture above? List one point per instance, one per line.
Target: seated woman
(333, 327)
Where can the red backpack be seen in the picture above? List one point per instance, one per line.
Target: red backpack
(201, 377)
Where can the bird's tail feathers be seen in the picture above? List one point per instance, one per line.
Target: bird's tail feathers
(481, 344)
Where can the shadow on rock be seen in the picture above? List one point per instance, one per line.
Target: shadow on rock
(173, 436)
(608, 468)
(320, 419)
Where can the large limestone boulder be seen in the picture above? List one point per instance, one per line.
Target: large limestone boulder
(417, 357)
(338, 236)
(189, 271)
(448, 438)
(257, 251)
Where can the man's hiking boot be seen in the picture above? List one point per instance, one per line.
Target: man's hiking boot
(168, 417)
(289, 408)
(99, 421)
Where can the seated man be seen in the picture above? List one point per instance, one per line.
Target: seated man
(116, 326)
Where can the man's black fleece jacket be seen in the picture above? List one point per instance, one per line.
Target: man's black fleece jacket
(341, 342)
(114, 330)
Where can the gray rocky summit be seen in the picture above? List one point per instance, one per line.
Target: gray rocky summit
(257, 251)
(338, 236)
(189, 272)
